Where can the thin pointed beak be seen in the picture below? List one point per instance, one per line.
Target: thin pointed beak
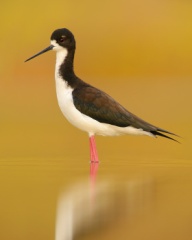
(43, 51)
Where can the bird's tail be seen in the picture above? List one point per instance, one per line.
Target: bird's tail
(159, 131)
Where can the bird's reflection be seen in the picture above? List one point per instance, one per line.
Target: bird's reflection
(93, 176)
(79, 214)
(93, 170)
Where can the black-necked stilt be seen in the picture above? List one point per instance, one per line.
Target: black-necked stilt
(87, 107)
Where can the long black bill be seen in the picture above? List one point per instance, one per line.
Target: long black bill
(43, 51)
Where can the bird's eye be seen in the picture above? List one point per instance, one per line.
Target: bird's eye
(62, 39)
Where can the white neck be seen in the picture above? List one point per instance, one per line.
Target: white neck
(61, 54)
(60, 58)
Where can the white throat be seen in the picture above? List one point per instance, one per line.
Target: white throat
(60, 58)
(61, 54)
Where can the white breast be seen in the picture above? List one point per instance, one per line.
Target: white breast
(75, 117)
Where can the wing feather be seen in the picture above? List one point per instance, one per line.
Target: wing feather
(103, 108)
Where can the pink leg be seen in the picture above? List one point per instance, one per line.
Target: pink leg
(93, 150)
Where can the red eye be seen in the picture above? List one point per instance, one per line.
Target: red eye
(62, 39)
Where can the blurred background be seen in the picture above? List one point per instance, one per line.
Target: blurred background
(139, 52)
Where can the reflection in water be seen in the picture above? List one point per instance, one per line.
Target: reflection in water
(93, 174)
(78, 214)
(93, 170)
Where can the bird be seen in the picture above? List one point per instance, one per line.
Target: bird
(87, 107)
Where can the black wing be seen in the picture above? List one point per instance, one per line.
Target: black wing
(103, 108)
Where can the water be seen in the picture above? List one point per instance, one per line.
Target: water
(158, 194)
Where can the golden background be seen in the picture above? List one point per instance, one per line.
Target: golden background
(140, 52)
